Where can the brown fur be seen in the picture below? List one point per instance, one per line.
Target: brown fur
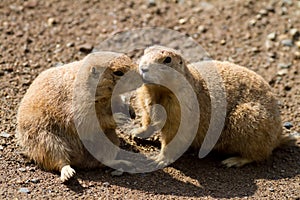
(46, 129)
(252, 126)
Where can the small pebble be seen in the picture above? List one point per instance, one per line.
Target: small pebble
(22, 169)
(297, 55)
(294, 32)
(151, 3)
(263, 12)
(24, 190)
(5, 135)
(287, 2)
(1, 147)
(51, 21)
(287, 42)
(255, 50)
(287, 125)
(284, 65)
(106, 184)
(70, 44)
(271, 189)
(252, 22)
(85, 48)
(284, 10)
(223, 42)
(30, 4)
(282, 72)
(298, 44)
(34, 180)
(272, 36)
(202, 29)
(182, 21)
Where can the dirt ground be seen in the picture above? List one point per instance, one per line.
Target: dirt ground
(261, 35)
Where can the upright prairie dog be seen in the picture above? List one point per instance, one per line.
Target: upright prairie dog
(46, 129)
(252, 127)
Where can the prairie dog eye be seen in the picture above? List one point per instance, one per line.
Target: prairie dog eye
(118, 73)
(167, 60)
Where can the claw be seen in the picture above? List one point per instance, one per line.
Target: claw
(67, 172)
(236, 162)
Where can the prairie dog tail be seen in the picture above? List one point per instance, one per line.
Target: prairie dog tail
(289, 140)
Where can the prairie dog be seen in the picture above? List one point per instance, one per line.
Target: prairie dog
(46, 129)
(253, 127)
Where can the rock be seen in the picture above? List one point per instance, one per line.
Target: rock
(51, 21)
(30, 4)
(284, 10)
(1, 147)
(287, 42)
(287, 2)
(255, 50)
(297, 55)
(34, 180)
(272, 54)
(70, 44)
(270, 8)
(252, 22)
(22, 169)
(272, 36)
(182, 21)
(282, 72)
(85, 48)
(24, 190)
(298, 44)
(294, 32)
(287, 125)
(223, 42)
(271, 189)
(106, 184)
(263, 12)
(151, 3)
(284, 65)
(4, 134)
(202, 29)
(268, 44)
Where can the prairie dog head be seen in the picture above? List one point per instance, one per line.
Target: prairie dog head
(100, 72)
(159, 61)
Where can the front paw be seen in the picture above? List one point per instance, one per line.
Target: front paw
(142, 132)
(161, 161)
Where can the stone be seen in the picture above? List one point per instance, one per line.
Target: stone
(284, 65)
(51, 21)
(85, 48)
(24, 190)
(106, 184)
(294, 32)
(282, 72)
(182, 21)
(287, 42)
(22, 169)
(272, 36)
(4, 134)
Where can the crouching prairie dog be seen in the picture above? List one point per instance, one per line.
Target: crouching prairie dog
(252, 128)
(46, 130)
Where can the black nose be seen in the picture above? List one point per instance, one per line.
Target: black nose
(144, 68)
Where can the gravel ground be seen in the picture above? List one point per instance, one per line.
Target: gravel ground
(261, 35)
